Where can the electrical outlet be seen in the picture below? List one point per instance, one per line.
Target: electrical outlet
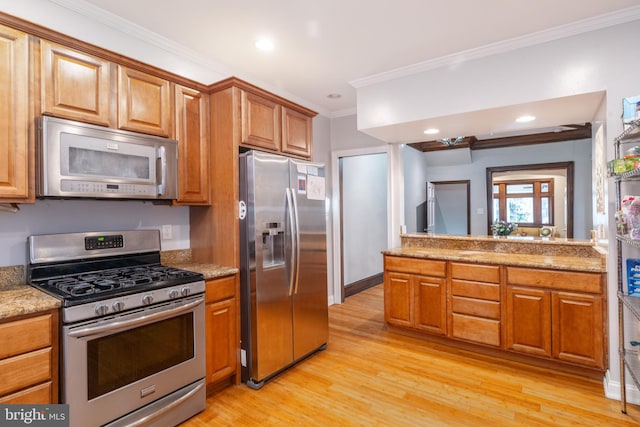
(167, 232)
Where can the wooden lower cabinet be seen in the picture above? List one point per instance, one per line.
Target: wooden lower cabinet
(555, 316)
(29, 359)
(415, 294)
(222, 329)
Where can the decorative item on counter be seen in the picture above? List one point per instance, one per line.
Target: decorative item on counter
(633, 277)
(503, 228)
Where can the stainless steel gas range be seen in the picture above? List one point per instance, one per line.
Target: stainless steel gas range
(132, 337)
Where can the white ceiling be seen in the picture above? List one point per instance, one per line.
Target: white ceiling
(324, 47)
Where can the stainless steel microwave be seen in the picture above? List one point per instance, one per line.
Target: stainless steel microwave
(80, 160)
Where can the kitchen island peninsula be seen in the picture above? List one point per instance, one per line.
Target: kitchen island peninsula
(536, 300)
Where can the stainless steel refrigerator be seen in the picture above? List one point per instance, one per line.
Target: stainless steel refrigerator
(283, 268)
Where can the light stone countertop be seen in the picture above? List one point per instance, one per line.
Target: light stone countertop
(17, 298)
(557, 254)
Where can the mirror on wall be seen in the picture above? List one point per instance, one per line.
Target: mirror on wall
(538, 197)
(448, 207)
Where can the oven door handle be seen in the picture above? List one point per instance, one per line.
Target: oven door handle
(112, 326)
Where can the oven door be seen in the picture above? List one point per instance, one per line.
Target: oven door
(119, 364)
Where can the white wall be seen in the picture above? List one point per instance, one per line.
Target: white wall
(364, 215)
(415, 187)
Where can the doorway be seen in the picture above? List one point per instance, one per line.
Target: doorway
(448, 207)
(363, 220)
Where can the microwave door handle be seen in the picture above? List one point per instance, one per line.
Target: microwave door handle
(161, 163)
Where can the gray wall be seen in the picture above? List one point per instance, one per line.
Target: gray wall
(577, 151)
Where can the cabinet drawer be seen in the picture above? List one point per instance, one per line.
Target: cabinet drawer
(39, 394)
(25, 335)
(477, 272)
(219, 289)
(25, 370)
(475, 307)
(552, 279)
(416, 266)
(484, 331)
(464, 288)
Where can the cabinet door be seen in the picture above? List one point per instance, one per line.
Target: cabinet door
(430, 304)
(296, 133)
(75, 85)
(144, 103)
(260, 122)
(192, 133)
(398, 299)
(528, 321)
(221, 344)
(578, 328)
(15, 147)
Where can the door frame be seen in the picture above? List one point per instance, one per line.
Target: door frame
(392, 167)
(465, 182)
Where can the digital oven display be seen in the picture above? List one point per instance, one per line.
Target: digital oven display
(104, 242)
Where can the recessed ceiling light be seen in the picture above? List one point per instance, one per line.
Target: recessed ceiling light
(432, 131)
(525, 119)
(264, 45)
(334, 96)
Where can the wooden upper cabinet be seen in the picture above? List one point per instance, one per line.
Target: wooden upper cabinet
(296, 133)
(144, 103)
(16, 178)
(260, 122)
(192, 133)
(75, 85)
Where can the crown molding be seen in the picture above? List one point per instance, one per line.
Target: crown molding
(138, 32)
(575, 28)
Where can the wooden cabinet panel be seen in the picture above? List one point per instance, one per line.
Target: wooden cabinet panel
(144, 103)
(476, 329)
(192, 133)
(296, 133)
(16, 176)
(430, 300)
(578, 329)
(475, 272)
(528, 321)
(75, 85)
(398, 299)
(222, 288)
(25, 335)
(465, 288)
(556, 280)
(39, 394)
(260, 122)
(25, 370)
(222, 330)
(221, 345)
(476, 307)
(422, 267)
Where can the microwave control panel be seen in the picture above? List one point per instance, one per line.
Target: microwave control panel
(89, 188)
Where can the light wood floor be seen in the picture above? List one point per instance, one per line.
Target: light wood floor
(371, 377)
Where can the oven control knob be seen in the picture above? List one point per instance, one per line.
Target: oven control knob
(185, 292)
(173, 293)
(101, 310)
(118, 306)
(147, 299)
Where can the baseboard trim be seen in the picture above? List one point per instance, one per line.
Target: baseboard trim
(361, 285)
(612, 390)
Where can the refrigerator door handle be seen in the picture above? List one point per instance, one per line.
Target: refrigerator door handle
(290, 209)
(297, 241)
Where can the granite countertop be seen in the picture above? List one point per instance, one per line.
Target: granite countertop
(555, 262)
(17, 298)
(557, 254)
